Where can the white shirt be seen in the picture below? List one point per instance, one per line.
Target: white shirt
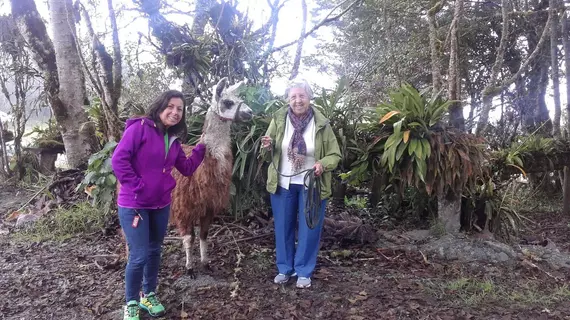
(285, 166)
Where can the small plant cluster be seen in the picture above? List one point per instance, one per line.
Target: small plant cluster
(100, 183)
(65, 223)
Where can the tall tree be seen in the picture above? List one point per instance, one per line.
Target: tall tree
(106, 75)
(566, 47)
(454, 79)
(495, 84)
(299, 51)
(19, 83)
(555, 76)
(434, 41)
(61, 66)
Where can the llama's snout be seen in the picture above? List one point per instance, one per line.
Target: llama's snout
(245, 113)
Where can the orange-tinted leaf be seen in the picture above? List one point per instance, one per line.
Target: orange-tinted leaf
(521, 169)
(89, 190)
(389, 115)
(13, 216)
(406, 136)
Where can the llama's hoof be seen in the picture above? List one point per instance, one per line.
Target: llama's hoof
(191, 273)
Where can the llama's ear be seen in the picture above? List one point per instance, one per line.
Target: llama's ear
(238, 86)
(220, 87)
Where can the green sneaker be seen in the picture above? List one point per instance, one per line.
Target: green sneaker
(131, 311)
(151, 304)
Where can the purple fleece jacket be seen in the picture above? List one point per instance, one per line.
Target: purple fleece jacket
(143, 169)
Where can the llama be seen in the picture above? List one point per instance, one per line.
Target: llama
(200, 197)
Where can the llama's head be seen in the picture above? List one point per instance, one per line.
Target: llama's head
(227, 104)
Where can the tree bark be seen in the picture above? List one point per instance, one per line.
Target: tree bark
(64, 81)
(566, 46)
(455, 110)
(433, 43)
(117, 61)
(299, 51)
(449, 214)
(3, 152)
(554, 65)
(494, 86)
(201, 16)
(107, 76)
(273, 20)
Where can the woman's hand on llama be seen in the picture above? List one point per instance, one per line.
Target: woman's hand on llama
(318, 167)
(266, 142)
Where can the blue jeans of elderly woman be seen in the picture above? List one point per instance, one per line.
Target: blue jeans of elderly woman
(288, 213)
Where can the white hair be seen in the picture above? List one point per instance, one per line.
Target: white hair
(299, 83)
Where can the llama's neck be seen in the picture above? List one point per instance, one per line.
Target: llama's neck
(217, 135)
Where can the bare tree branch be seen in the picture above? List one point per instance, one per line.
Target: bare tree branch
(435, 56)
(555, 76)
(323, 22)
(95, 80)
(299, 51)
(117, 59)
(109, 66)
(493, 88)
(456, 111)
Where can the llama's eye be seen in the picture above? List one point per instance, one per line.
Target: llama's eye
(228, 103)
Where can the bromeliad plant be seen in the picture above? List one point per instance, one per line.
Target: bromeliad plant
(412, 118)
(414, 147)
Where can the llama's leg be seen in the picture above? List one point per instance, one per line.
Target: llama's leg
(188, 241)
(205, 222)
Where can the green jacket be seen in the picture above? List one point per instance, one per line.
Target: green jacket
(327, 151)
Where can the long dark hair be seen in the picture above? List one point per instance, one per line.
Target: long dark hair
(159, 104)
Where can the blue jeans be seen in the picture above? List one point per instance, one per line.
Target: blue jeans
(288, 214)
(145, 248)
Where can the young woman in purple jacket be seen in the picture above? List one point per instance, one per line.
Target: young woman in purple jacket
(142, 162)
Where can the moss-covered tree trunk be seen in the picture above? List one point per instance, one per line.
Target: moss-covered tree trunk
(449, 213)
(566, 45)
(64, 82)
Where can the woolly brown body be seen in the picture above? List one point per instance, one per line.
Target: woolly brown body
(201, 196)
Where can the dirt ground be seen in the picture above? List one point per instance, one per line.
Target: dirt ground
(82, 278)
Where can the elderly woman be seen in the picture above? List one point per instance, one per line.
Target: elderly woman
(302, 139)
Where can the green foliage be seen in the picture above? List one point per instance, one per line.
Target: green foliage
(249, 171)
(414, 148)
(99, 181)
(143, 81)
(476, 291)
(525, 148)
(65, 223)
(412, 117)
(502, 218)
(357, 202)
(47, 136)
(97, 117)
(345, 119)
(402, 207)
